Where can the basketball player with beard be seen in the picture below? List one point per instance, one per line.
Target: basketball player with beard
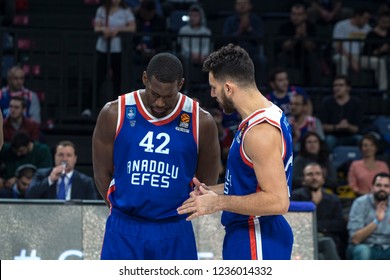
(369, 222)
(255, 194)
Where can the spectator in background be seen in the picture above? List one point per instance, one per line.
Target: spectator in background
(347, 53)
(112, 18)
(194, 50)
(136, 4)
(302, 123)
(362, 171)
(24, 175)
(376, 49)
(152, 26)
(369, 222)
(22, 150)
(282, 92)
(62, 181)
(16, 120)
(313, 149)
(16, 87)
(150, 23)
(331, 226)
(341, 115)
(298, 50)
(246, 29)
(327, 11)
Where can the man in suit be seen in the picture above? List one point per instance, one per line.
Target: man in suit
(62, 181)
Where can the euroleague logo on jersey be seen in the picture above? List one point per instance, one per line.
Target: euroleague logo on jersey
(184, 123)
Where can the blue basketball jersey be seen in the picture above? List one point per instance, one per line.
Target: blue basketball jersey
(155, 159)
(258, 233)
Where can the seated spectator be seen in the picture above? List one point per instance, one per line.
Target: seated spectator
(16, 87)
(16, 120)
(331, 226)
(246, 29)
(302, 123)
(24, 175)
(368, 222)
(194, 50)
(349, 35)
(377, 49)
(62, 181)
(22, 150)
(313, 149)
(149, 22)
(362, 171)
(341, 115)
(136, 4)
(282, 92)
(299, 50)
(327, 11)
(151, 26)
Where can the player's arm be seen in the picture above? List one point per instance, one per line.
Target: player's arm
(103, 147)
(263, 146)
(209, 157)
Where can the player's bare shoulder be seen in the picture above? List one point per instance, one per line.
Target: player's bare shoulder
(109, 112)
(205, 119)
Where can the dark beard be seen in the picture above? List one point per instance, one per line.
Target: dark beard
(227, 104)
(380, 196)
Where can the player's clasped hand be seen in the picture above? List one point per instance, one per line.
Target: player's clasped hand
(201, 202)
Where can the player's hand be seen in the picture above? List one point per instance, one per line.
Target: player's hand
(198, 205)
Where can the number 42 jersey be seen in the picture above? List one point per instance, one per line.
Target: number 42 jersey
(155, 159)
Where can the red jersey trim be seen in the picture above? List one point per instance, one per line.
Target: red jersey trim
(195, 119)
(121, 114)
(252, 238)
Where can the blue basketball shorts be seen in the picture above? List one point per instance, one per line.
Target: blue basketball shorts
(126, 238)
(264, 238)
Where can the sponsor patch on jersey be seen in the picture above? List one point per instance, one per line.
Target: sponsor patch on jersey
(184, 120)
(184, 123)
(131, 112)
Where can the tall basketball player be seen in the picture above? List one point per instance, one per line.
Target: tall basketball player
(258, 175)
(147, 147)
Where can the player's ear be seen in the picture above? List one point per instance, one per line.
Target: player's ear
(181, 83)
(144, 78)
(228, 89)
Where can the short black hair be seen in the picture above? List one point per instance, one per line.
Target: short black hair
(21, 99)
(380, 174)
(276, 71)
(343, 77)
(165, 67)
(66, 143)
(20, 139)
(231, 62)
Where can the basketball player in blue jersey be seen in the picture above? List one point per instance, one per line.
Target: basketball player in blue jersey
(255, 194)
(147, 147)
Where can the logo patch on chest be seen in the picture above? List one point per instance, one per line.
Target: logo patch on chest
(184, 123)
(131, 112)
